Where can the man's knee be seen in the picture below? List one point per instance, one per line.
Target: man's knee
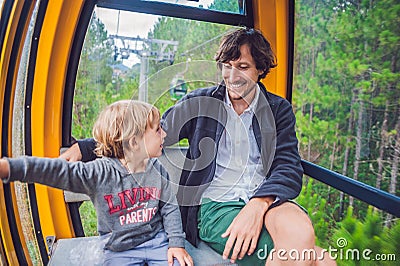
(289, 220)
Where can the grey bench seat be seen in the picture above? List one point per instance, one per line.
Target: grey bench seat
(88, 251)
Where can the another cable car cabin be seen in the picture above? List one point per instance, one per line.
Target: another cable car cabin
(178, 88)
(62, 61)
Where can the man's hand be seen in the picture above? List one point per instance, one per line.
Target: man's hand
(73, 154)
(245, 229)
(181, 255)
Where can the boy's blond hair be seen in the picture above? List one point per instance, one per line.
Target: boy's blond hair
(120, 122)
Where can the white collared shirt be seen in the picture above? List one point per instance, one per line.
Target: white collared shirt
(239, 166)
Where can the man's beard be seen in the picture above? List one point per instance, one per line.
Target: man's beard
(244, 94)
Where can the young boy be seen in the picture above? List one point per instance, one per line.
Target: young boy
(137, 212)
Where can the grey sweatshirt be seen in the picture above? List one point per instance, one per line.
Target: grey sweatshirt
(132, 207)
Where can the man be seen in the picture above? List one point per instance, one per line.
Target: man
(242, 167)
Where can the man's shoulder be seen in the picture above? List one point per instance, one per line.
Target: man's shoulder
(276, 100)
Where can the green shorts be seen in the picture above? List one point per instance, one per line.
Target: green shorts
(215, 217)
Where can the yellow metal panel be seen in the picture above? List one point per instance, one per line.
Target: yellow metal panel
(271, 17)
(51, 67)
(5, 231)
(4, 69)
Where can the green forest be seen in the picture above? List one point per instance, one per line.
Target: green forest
(346, 101)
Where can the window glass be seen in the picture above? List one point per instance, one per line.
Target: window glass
(151, 58)
(346, 101)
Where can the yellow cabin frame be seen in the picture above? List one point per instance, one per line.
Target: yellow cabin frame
(54, 39)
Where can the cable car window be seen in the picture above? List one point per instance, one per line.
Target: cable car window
(346, 93)
(144, 61)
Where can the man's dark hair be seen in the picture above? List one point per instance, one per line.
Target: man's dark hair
(260, 48)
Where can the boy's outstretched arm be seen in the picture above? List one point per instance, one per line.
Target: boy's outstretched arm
(181, 255)
(4, 169)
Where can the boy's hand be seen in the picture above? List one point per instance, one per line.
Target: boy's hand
(181, 255)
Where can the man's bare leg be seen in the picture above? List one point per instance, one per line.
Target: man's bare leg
(294, 239)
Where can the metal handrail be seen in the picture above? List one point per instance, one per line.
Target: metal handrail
(366, 193)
